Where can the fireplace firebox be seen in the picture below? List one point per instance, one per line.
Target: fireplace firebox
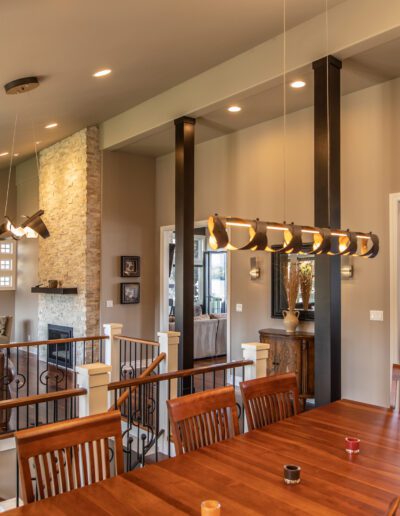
(60, 354)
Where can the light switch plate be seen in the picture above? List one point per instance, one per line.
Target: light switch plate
(239, 308)
(109, 303)
(376, 315)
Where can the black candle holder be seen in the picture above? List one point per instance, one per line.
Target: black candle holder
(291, 474)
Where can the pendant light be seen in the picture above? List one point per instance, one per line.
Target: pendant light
(328, 241)
(33, 226)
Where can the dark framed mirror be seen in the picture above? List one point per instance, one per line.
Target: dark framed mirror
(279, 302)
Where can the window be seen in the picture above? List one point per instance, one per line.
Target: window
(5, 265)
(5, 281)
(8, 251)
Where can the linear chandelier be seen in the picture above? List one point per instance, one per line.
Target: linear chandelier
(332, 242)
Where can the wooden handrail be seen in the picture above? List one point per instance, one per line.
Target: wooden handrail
(138, 341)
(145, 374)
(40, 398)
(135, 382)
(55, 341)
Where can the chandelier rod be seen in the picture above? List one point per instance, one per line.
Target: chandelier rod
(11, 162)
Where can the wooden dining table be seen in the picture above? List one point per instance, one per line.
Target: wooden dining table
(245, 474)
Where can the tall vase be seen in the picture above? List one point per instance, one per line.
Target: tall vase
(290, 320)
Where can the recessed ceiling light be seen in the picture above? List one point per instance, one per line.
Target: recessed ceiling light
(102, 73)
(16, 154)
(51, 126)
(37, 143)
(3, 154)
(234, 109)
(297, 84)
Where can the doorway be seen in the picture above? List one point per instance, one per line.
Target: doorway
(211, 295)
(394, 250)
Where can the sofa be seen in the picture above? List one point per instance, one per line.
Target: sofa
(209, 335)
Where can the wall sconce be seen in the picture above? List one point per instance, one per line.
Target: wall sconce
(346, 271)
(254, 269)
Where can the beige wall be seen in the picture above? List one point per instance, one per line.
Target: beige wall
(26, 303)
(128, 220)
(241, 174)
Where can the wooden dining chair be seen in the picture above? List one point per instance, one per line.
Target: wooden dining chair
(395, 385)
(203, 418)
(393, 507)
(63, 456)
(270, 399)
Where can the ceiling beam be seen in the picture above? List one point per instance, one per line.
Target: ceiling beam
(354, 26)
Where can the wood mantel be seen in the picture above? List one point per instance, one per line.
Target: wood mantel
(291, 352)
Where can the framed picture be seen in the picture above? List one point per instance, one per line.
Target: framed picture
(130, 293)
(279, 301)
(130, 266)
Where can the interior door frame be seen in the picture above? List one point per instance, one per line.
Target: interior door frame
(164, 275)
(394, 254)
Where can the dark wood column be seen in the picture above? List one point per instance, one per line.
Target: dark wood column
(327, 214)
(184, 228)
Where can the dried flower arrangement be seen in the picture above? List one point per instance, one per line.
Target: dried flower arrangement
(306, 279)
(291, 281)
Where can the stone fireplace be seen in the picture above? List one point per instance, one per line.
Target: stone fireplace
(70, 195)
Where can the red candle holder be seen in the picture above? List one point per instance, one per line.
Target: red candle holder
(352, 445)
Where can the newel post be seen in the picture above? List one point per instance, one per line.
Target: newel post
(95, 379)
(258, 353)
(169, 344)
(112, 351)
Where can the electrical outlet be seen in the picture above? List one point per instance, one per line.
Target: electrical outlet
(376, 315)
(109, 303)
(239, 308)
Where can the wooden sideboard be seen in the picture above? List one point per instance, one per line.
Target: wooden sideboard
(291, 353)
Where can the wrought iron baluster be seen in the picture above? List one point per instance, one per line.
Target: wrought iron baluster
(214, 379)
(75, 375)
(141, 353)
(135, 371)
(224, 377)
(131, 369)
(84, 352)
(37, 368)
(157, 416)
(169, 426)
(27, 384)
(147, 358)
(204, 381)
(92, 351)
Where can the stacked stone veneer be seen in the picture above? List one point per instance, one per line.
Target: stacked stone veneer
(70, 195)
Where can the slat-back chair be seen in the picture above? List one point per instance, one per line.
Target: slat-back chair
(393, 507)
(395, 385)
(270, 399)
(66, 455)
(203, 418)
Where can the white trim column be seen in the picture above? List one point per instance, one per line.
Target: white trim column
(258, 353)
(95, 379)
(169, 343)
(112, 349)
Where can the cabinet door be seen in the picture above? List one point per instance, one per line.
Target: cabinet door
(284, 357)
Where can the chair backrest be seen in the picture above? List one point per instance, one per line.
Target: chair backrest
(66, 455)
(395, 385)
(270, 399)
(393, 507)
(203, 418)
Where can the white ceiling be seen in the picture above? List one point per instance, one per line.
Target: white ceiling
(150, 45)
(361, 71)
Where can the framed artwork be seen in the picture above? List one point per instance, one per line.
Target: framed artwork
(130, 266)
(278, 301)
(130, 293)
